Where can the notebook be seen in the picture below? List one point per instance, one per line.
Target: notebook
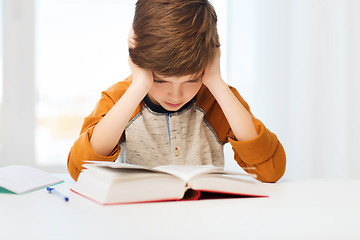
(22, 179)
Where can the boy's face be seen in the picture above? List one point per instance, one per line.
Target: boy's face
(174, 92)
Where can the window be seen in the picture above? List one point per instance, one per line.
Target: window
(81, 49)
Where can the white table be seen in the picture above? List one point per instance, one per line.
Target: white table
(308, 209)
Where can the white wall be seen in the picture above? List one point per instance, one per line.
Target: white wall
(296, 62)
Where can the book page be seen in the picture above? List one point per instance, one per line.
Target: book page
(186, 172)
(115, 171)
(91, 164)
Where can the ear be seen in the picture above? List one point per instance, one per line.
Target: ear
(131, 38)
(217, 44)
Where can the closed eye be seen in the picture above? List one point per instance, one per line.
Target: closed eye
(159, 81)
(190, 81)
(194, 80)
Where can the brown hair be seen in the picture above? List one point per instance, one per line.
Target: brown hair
(174, 37)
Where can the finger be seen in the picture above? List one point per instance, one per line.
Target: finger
(131, 38)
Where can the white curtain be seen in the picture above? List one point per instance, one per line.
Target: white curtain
(297, 63)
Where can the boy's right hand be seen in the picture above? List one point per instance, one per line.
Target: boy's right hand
(141, 77)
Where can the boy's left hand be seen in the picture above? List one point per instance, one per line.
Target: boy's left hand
(212, 74)
(238, 117)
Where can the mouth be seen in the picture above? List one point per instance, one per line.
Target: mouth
(172, 105)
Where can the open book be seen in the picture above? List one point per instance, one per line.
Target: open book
(116, 183)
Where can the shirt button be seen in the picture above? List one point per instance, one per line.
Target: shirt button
(176, 152)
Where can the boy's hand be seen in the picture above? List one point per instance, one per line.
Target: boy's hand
(238, 117)
(142, 78)
(212, 74)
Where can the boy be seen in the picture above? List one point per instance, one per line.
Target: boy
(175, 108)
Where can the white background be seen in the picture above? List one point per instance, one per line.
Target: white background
(296, 62)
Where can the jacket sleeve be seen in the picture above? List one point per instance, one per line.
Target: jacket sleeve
(81, 150)
(264, 153)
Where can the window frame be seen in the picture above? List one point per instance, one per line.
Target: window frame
(18, 111)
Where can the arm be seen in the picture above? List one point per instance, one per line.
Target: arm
(234, 111)
(82, 149)
(253, 144)
(108, 131)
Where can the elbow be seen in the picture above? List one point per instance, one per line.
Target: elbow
(272, 176)
(276, 169)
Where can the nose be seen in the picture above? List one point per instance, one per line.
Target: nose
(176, 92)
